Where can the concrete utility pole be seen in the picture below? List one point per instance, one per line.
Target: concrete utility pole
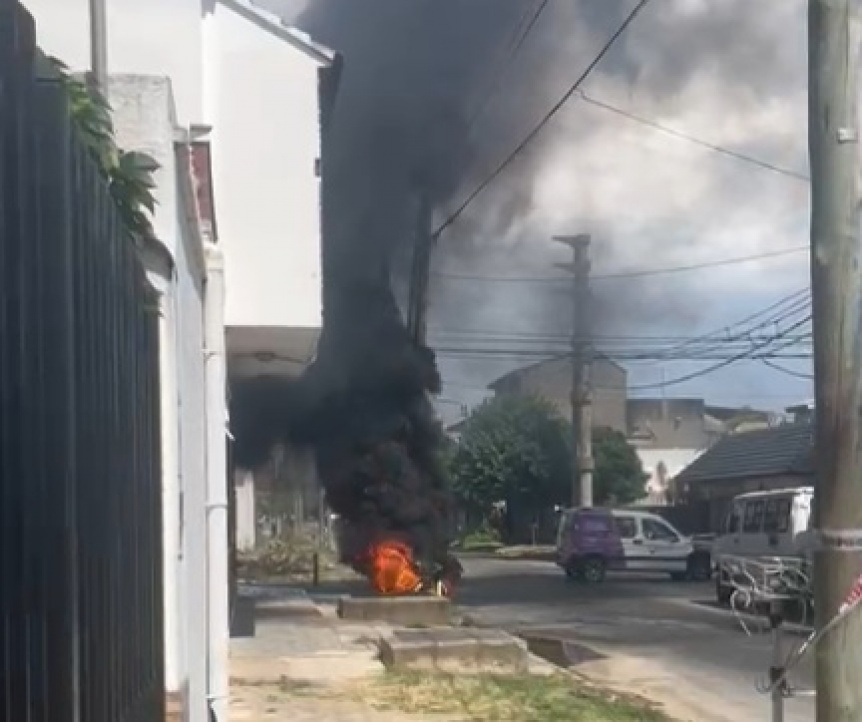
(99, 44)
(836, 288)
(582, 352)
(417, 312)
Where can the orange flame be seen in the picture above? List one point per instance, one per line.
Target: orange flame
(392, 570)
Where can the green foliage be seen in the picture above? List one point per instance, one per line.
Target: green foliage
(283, 557)
(485, 537)
(518, 449)
(619, 477)
(513, 449)
(127, 173)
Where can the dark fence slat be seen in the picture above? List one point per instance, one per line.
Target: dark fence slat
(81, 633)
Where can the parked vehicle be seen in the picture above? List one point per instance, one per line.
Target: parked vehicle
(763, 524)
(591, 541)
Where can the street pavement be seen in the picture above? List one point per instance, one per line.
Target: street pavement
(661, 638)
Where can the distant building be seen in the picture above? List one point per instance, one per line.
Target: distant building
(772, 458)
(552, 380)
(669, 435)
(660, 423)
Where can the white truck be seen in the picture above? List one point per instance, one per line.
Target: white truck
(764, 525)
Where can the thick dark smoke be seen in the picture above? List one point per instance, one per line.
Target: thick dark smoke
(399, 133)
(415, 72)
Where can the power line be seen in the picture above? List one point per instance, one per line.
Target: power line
(628, 274)
(692, 139)
(516, 41)
(789, 372)
(712, 368)
(720, 344)
(799, 297)
(542, 123)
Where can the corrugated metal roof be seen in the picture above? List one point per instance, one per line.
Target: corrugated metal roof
(784, 449)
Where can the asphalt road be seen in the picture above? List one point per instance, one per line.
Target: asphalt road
(659, 637)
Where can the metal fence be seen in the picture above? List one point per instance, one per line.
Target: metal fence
(79, 429)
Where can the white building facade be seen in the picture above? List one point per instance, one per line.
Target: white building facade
(226, 74)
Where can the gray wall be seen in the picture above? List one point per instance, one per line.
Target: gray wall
(552, 380)
(668, 423)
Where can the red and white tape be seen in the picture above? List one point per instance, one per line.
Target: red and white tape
(854, 596)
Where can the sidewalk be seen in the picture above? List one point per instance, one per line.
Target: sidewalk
(301, 664)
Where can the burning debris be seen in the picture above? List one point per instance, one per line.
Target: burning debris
(378, 440)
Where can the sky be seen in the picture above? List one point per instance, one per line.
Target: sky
(730, 74)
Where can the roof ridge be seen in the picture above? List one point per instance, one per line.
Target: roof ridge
(275, 24)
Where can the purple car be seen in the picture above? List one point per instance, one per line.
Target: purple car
(592, 541)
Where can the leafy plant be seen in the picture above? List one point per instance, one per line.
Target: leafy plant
(288, 556)
(129, 174)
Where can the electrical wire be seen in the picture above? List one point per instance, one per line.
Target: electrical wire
(788, 372)
(518, 37)
(799, 296)
(709, 369)
(692, 139)
(718, 344)
(537, 129)
(626, 274)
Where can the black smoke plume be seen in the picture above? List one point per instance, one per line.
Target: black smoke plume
(415, 72)
(399, 133)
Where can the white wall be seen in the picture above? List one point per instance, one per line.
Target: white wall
(265, 144)
(674, 460)
(267, 196)
(144, 120)
(154, 37)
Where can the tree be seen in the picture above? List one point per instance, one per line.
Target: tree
(517, 450)
(619, 477)
(513, 450)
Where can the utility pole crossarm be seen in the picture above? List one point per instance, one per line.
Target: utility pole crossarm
(582, 353)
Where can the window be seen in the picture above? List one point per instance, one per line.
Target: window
(595, 526)
(753, 517)
(626, 527)
(657, 531)
(776, 516)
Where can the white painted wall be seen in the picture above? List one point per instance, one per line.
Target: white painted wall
(266, 141)
(144, 119)
(675, 460)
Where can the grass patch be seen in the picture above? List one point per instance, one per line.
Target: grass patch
(484, 698)
(538, 552)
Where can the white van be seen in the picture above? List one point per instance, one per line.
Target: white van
(764, 524)
(591, 541)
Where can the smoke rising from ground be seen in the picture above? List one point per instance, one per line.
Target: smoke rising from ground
(732, 73)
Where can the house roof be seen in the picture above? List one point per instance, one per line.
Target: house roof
(272, 23)
(786, 449)
(524, 369)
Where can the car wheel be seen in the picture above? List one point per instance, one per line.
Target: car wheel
(571, 569)
(592, 570)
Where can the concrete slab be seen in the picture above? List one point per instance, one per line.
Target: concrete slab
(455, 650)
(410, 611)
